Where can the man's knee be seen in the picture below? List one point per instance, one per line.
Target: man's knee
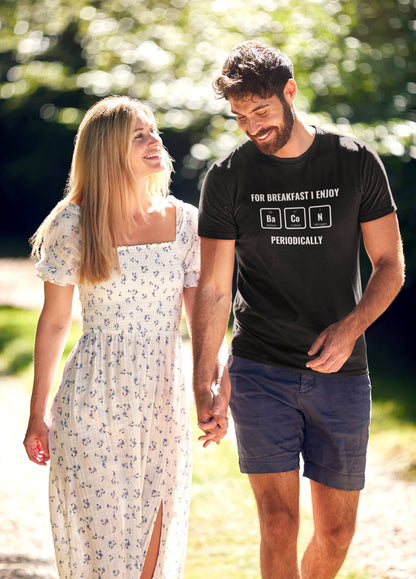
(278, 523)
(335, 514)
(337, 536)
(277, 497)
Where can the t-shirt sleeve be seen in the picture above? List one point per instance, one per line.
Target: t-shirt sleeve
(216, 219)
(377, 199)
(60, 251)
(189, 244)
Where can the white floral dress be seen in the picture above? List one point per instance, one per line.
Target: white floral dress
(119, 431)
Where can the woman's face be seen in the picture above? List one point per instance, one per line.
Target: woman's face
(146, 154)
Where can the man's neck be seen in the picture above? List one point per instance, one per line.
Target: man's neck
(300, 140)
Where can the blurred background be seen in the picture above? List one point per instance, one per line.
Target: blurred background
(355, 66)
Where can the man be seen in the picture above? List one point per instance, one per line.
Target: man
(291, 204)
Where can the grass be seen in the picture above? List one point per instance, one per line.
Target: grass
(17, 336)
(16, 340)
(223, 532)
(393, 425)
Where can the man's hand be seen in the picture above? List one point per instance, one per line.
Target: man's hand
(335, 345)
(212, 407)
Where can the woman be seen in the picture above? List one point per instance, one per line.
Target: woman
(118, 437)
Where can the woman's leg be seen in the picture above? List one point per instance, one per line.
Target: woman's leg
(153, 551)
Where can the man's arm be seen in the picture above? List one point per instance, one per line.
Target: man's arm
(189, 302)
(384, 248)
(209, 324)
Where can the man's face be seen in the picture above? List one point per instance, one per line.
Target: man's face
(268, 122)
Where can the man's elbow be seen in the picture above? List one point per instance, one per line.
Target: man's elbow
(400, 269)
(397, 272)
(214, 294)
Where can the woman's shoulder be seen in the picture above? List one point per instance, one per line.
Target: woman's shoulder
(71, 211)
(61, 245)
(186, 217)
(186, 210)
(66, 221)
(68, 212)
(74, 208)
(186, 221)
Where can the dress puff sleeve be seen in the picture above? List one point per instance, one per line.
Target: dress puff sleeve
(189, 243)
(60, 252)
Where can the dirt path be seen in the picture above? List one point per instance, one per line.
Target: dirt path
(384, 545)
(26, 549)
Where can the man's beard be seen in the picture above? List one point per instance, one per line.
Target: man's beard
(280, 136)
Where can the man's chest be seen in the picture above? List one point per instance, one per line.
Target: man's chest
(305, 206)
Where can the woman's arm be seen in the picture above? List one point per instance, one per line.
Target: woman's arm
(51, 334)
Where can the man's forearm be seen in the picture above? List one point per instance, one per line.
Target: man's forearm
(339, 338)
(209, 325)
(383, 286)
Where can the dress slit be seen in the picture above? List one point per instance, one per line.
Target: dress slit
(150, 566)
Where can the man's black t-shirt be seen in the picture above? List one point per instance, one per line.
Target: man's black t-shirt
(296, 223)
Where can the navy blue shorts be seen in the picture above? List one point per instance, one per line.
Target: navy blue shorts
(280, 414)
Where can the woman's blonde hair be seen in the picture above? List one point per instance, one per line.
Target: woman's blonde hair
(102, 183)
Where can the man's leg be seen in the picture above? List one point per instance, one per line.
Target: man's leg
(277, 497)
(335, 514)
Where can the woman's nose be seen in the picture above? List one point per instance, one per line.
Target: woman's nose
(154, 138)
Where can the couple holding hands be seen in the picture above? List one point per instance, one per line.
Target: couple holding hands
(296, 379)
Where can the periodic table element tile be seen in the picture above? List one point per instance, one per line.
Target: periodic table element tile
(271, 218)
(320, 216)
(295, 218)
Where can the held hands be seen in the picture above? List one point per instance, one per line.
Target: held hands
(335, 345)
(36, 441)
(212, 408)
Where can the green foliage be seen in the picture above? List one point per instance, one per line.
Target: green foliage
(18, 328)
(354, 61)
(355, 66)
(16, 340)
(376, 65)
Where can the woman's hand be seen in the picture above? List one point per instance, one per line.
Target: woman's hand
(36, 441)
(212, 410)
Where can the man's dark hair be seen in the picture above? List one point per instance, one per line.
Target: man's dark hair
(254, 68)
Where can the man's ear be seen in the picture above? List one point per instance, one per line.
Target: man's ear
(290, 90)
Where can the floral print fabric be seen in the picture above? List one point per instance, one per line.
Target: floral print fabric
(119, 429)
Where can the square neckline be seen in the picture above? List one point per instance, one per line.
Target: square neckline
(159, 243)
